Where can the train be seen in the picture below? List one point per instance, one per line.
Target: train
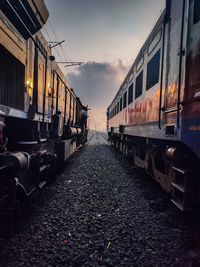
(154, 117)
(42, 120)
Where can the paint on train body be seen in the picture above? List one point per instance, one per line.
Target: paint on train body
(180, 82)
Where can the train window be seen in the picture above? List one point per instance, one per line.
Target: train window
(138, 85)
(153, 70)
(130, 94)
(196, 11)
(121, 104)
(125, 100)
(118, 107)
(140, 64)
(154, 42)
(125, 85)
(131, 78)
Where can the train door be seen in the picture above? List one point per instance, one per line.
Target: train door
(61, 97)
(65, 110)
(77, 113)
(74, 112)
(67, 103)
(55, 88)
(70, 104)
(41, 82)
(71, 109)
(48, 98)
(174, 66)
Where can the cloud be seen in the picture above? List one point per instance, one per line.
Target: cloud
(98, 82)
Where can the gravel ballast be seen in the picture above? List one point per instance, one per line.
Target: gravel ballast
(102, 211)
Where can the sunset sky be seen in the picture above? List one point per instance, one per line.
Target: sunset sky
(106, 35)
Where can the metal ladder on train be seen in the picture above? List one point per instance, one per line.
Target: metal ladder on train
(182, 189)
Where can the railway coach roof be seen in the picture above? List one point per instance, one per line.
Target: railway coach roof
(28, 16)
(142, 50)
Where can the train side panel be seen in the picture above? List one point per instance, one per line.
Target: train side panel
(41, 118)
(158, 128)
(191, 101)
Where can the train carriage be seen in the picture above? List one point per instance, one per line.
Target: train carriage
(40, 115)
(155, 115)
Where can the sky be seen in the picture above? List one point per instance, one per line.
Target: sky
(106, 35)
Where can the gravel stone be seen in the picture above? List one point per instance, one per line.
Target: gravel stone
(102, 211)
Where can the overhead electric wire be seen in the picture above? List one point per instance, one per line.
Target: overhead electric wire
(76, 86)
(55, 49)
(61, 59)
(67, 59)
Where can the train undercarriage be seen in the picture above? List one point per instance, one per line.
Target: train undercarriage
(30, 159)
(174, 166)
